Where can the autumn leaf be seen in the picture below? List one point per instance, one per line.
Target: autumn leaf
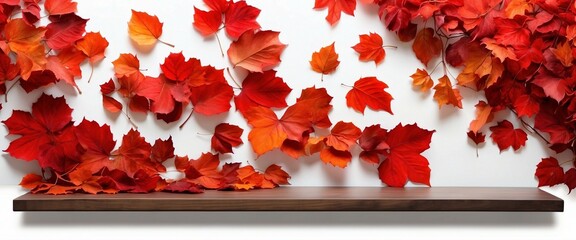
(225, 137)
(256, 52)
(31, 11)
(275, 174)
(268, 132)
(262, 89)
(370, 48)
(404, 161)
(240, 18)
(483, 115)
(60, 7)
(46, 134)
(93, 45)
(422, 80)
(64, 31)
(126, 65)
(369, 91)
(373, 142)
(343, 136)
(478, 17)
(477, 138)
(325, 61)
(444, 93)
(207, 22)
(145, 29)
(336, 158)
(335, 8)
(317, 102)
(549, 172)
(24, 40)
(518, 7)
(8, 70)
(204, 171)
(211, 99)
(426, 45)
(506, 136)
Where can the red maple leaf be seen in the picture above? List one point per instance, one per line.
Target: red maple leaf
(373, 142)
(371, 48)
(262, 89)
(335, 8)
(64, 30)
(506, 136)
(549, 172)
(46, 134)
(404, 161)
(317, 102)
(369, 91)
(225, 137)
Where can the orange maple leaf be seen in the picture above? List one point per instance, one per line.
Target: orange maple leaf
(325, 61)
(422, 80)
(445, 94)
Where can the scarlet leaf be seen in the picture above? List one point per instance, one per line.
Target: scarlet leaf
(335, 8)
(256, 52)
(343, 136)
(483, 115)
(217, 5)
(549, 172)
(183, 186)
(24, 40)
(240, 18)
(317, 102)
(204, 171)
(325, 61)
(8, 70)
(46, 134)
(176, 68)
(160, 91)
(445, 94)
(207, 23)
(404, 161)
(506, 136)
(477, 137)
(60, 7)
(371, 48)
(369, 91)
(144, 29)
(526, 106)
(426, 46)
(225, 137)
(111, 105)
(31, 11)
(478, 17)
(422, 80)
(275, 174)
(262, 89)
(64, 31)
(93, 45)
(373, 142)
(269, 132)
(211, 99)
(162, 150)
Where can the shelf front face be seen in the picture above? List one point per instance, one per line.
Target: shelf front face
(307, 199)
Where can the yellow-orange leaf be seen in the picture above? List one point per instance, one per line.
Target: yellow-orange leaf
(93, 46)
(144, 29)
(126, 65)
(483, 115)
(256, 52)
(421, 79)
(445, 94)
(325, 61)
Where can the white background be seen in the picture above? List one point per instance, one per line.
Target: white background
(452, 157)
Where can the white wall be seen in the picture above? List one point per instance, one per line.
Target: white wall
(452, 157)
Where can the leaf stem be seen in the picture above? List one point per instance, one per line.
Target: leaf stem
(91, 72)
(322, 78)
(219, 44)
(344, 85)
(188, 118)
(390, 46)
(130, 120)
(10, 88)
(233, 79)
(167, 44)
(204, 134)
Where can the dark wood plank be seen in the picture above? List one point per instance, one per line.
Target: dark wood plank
(306, 199)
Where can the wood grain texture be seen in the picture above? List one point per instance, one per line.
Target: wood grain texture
(306, 199)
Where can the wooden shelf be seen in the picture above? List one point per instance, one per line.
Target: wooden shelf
(307, 199)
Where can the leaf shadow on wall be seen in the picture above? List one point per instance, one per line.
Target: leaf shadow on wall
(304, 219)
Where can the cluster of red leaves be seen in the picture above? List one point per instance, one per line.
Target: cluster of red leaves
(83, 158)
(181, 82)
(519, 52)
(36, 56)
